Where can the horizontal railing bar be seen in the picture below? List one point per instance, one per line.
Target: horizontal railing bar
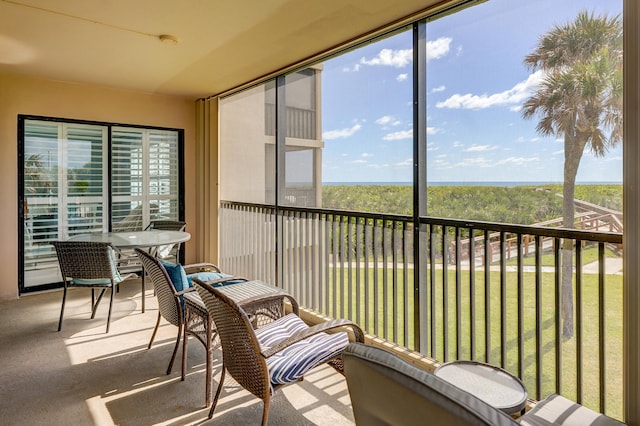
(496, 227)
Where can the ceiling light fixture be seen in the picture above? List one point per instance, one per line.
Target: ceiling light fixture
(168, 39)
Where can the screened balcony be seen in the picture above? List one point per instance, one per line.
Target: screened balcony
(534, 288)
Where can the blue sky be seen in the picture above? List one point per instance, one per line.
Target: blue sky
(476, 84)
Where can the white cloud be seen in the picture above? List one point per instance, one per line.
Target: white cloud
(402, 57)
(442, 164)
(485, 163)
(354, 68)
(396, 136)
(432, 130)
(366, 155)
(515, 95)
(385, 119)
(341, 133)
(438, 48)
(358, 162)
(522, 139)
(438, 89)
(474, 162)
(406, 163)
(517, 161)
(388, 57)
(402, 77)
(480, 148)
(388, 120)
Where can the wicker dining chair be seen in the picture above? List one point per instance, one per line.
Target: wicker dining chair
(89, 265)
(272, 356)
(171, 251)
(171, 305)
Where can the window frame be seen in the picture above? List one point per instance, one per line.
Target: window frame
(22, 119)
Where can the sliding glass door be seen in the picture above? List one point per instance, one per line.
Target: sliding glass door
(82, 177)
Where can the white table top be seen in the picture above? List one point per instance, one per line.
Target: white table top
(493, 385)
(151, 238)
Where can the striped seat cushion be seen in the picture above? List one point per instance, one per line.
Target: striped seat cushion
(292, 363)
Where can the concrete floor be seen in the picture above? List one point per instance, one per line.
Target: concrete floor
(83, 376)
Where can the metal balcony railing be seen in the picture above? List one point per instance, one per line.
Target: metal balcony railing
(450, 289)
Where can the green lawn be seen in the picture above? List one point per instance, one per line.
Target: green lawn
(391, 318)
(548, 259)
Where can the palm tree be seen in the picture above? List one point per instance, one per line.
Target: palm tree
(36, 175)
(579, 99)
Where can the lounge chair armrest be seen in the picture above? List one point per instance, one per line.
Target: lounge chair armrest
(318, 328)
(247, 304)
(225, 279)
(201, 267)
(186, 290)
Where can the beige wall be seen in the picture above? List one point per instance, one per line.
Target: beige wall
(25, 95)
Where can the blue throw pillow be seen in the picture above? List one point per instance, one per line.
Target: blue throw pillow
(206, 276)
(176, 274)
(210, 276)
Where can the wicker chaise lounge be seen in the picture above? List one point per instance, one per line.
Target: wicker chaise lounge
(272, 356)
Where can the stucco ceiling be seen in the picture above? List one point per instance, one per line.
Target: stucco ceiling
(222, 43)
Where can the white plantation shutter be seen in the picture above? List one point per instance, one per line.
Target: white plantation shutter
(144, 177)
(127, 164)
(164, 172)
(65, 187)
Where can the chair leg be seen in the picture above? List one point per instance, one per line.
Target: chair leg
(265, 411)
(215, 399)
(94, 306)
(64, 298)
(110, 306)
(175, 349)
(185, 340)
(142, 280)
(209, 361)
(155, 330)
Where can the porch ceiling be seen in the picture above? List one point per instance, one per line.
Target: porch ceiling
(222, 44)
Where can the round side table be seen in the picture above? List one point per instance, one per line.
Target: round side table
(493, 385)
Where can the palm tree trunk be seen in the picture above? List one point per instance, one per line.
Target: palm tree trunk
(573, 154)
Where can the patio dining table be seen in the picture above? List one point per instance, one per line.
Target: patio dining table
(136, 239)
